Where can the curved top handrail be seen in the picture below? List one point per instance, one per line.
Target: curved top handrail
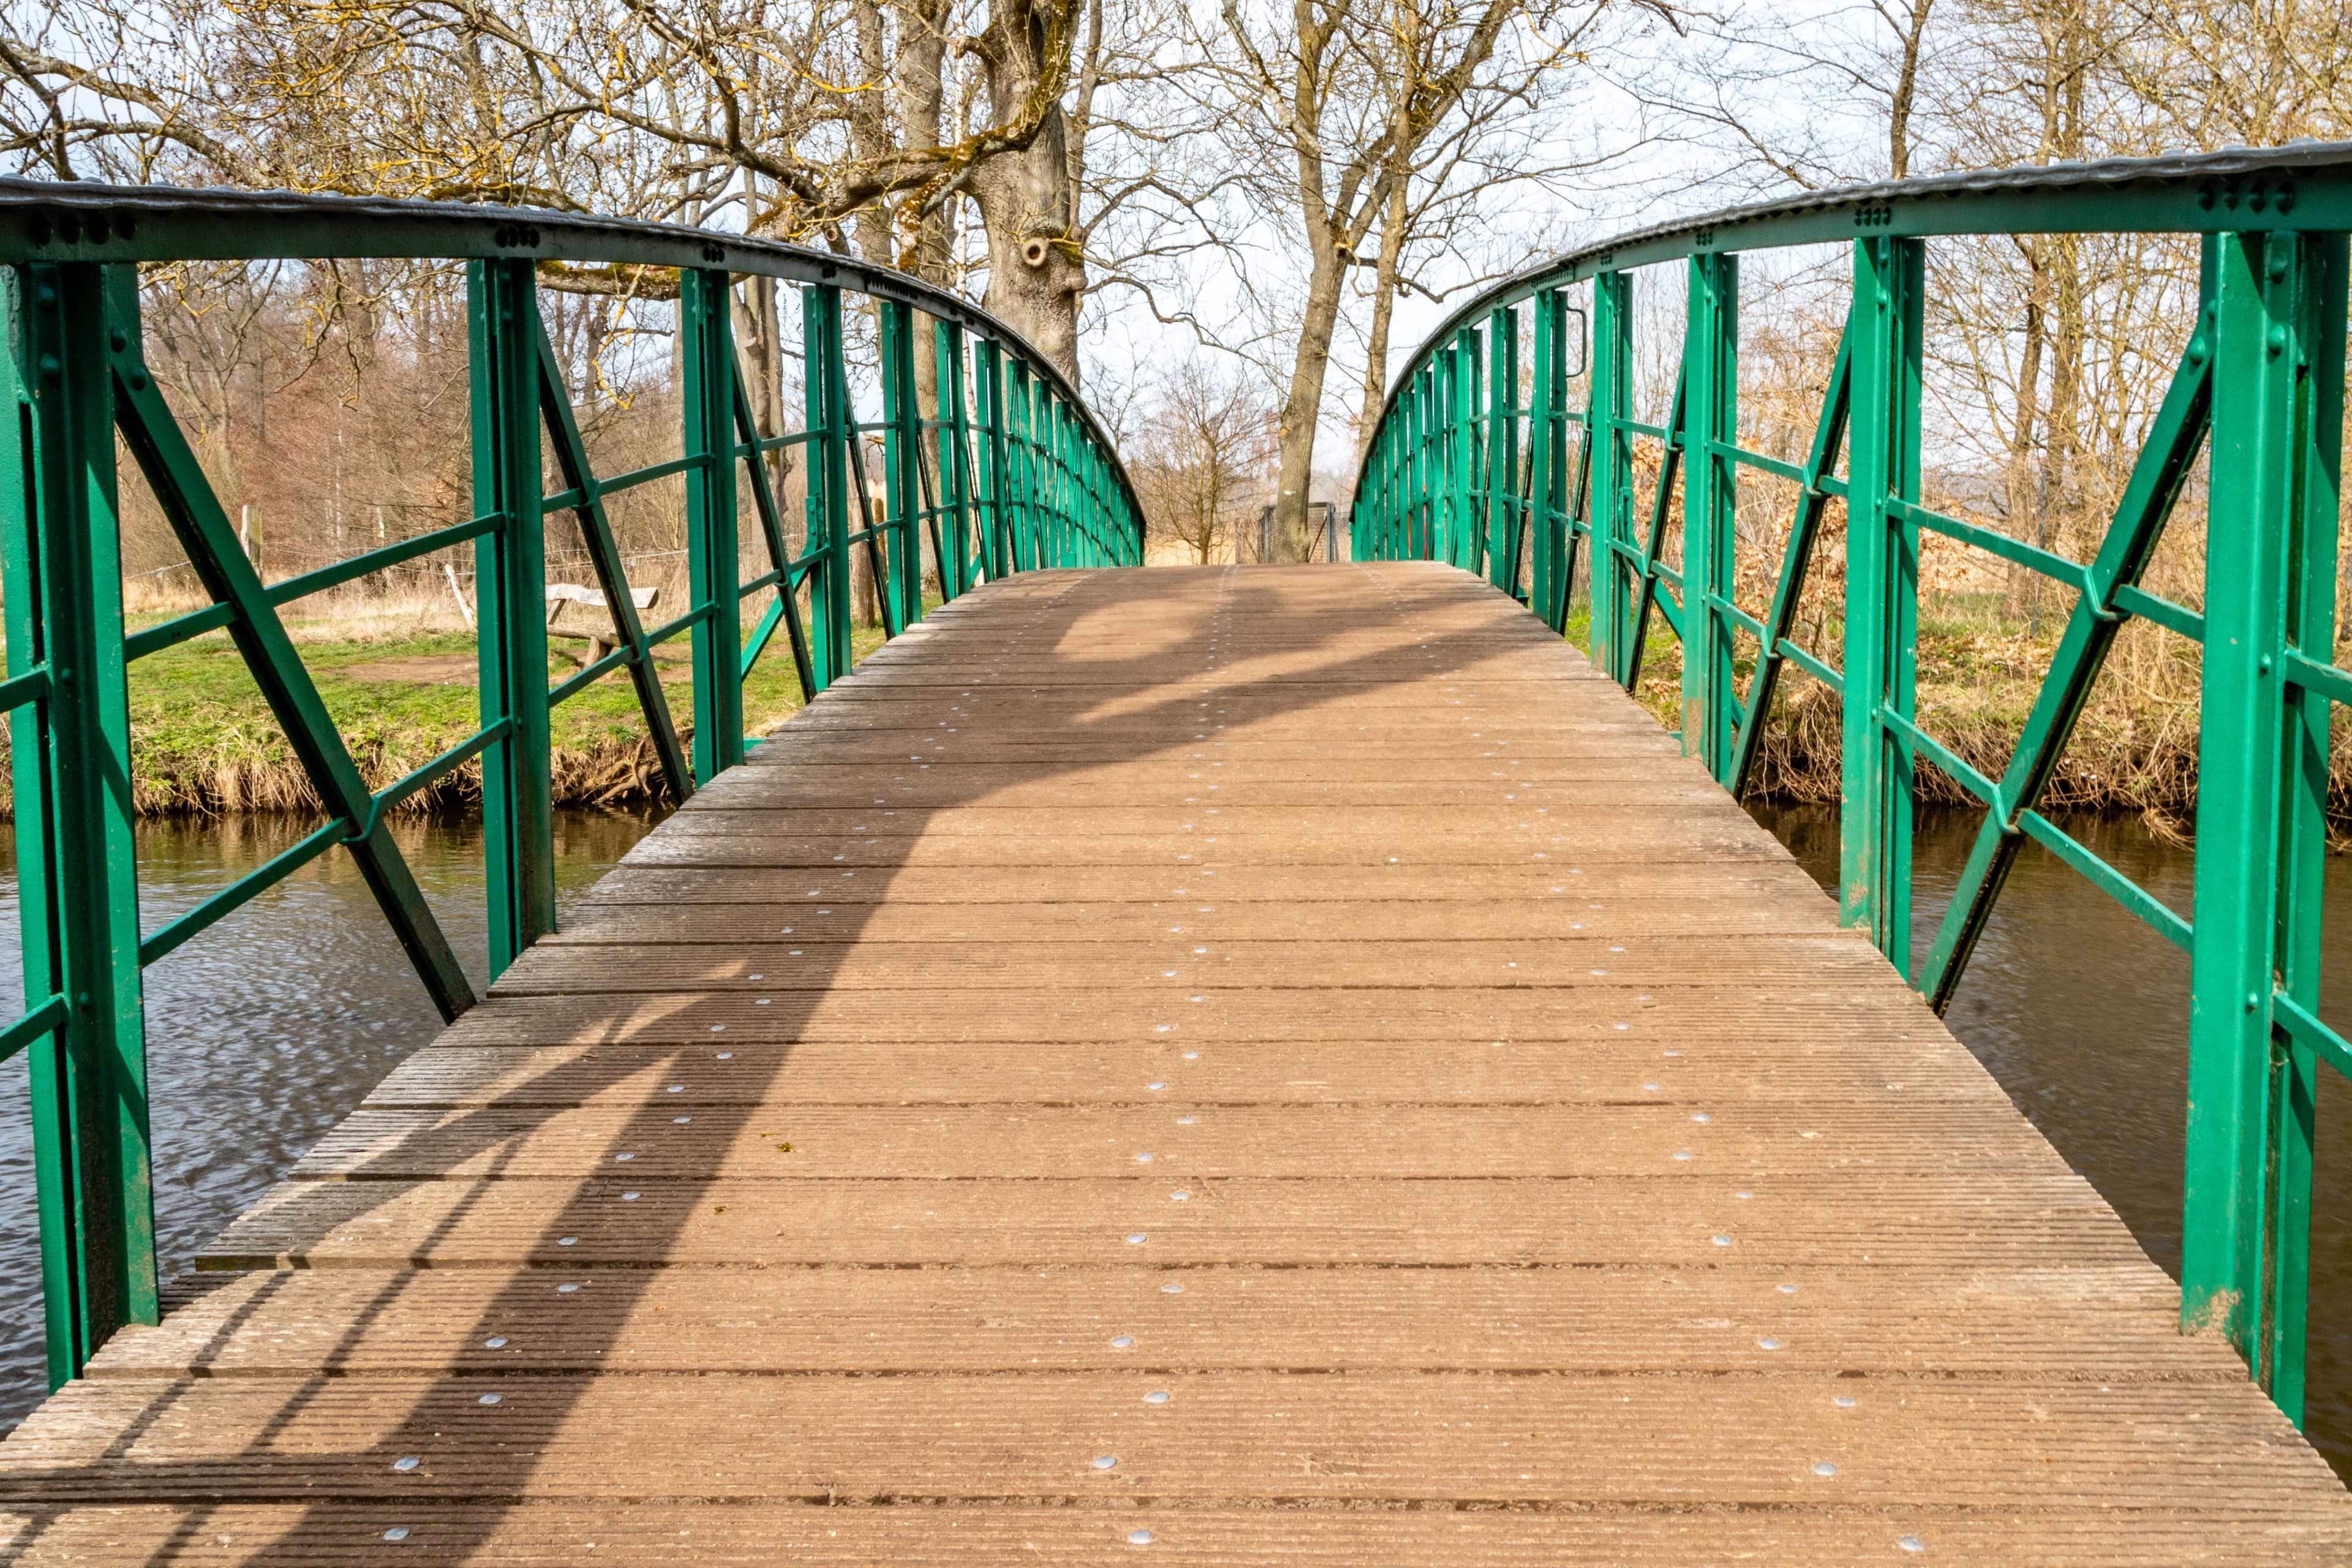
(57, 220)
(2306, 186)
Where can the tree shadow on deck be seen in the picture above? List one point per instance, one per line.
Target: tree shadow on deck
(535, 1269)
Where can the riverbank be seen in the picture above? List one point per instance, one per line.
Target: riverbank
(2133, 752)
(203, 741)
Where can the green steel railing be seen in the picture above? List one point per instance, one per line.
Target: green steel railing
(1473, 464)
(1026, 478)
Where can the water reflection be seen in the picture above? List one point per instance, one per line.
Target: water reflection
(263, 1032)
(2081, 1013)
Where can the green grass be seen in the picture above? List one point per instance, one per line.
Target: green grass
(202, 737)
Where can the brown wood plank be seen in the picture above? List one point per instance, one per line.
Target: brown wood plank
(754, 1536)
(782, 963)
(1735, 1439)
(2063, 1323)
(1893, 1072)
(1309, 994)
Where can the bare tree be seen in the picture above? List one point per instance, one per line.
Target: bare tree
(1200, 457)
(1333, 106)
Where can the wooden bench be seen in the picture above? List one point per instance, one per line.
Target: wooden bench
(602, 639)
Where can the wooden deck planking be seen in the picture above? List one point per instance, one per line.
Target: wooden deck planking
(1558, 1184)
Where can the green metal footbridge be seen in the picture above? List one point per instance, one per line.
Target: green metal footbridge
(1222, 1064)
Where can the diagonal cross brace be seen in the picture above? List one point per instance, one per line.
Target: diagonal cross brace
(204, 532)
(1669, 464)
(2156, 478)
(612, 580)
(787, 607)
(1796, 561)
(1579, 496)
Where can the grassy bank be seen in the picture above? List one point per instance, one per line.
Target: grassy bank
(2133, 752)
(203, 741)
(401, 689)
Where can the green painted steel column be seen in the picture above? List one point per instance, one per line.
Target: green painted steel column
(1710, 496)
(996, 459)
(1504, 528)
(70, 756)
(953, 447)
(510, 607)
(1465, 516)
(1391, 495)
(902, 457)
(1442, 426)
(1613, 476)
(826, 392)
(1548, 460)
(2323, 279)
(1417, 543)
(1882, 594)
(1020, 469)
(713, 562)
(2262, 794)
(1052, 487)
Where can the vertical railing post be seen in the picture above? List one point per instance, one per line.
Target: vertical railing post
(1020, 471)
(1065, 444)
(1612, 472)
(2270, 587)
(1882, 594)
(1458, 410)
(712, 552)
(996, 465)
(826, 391)
(954, 449)
(70, 757)
(1389, 520)
(902, 456)
(510, 607)
(1548, 460)
(1044, 423)
(1418, 487)
(1066, 466)
(1437, 470)
(1503, 527)
(1383, 526)
(1710, 494)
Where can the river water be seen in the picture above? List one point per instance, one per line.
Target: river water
(267, 1029)
(262, 1032)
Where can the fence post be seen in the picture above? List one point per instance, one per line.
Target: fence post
(1710, 494)
(1882, 594)
(70, 755)
(826, 392)
(1613, 477)
(2261, 795)
(712, 563)
(902, 456)
(510, 607)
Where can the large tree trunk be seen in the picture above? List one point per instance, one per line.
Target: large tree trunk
(1034, 276)
(922, 56)
(1034, 272)
(1303, 407)
(1376, 351)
